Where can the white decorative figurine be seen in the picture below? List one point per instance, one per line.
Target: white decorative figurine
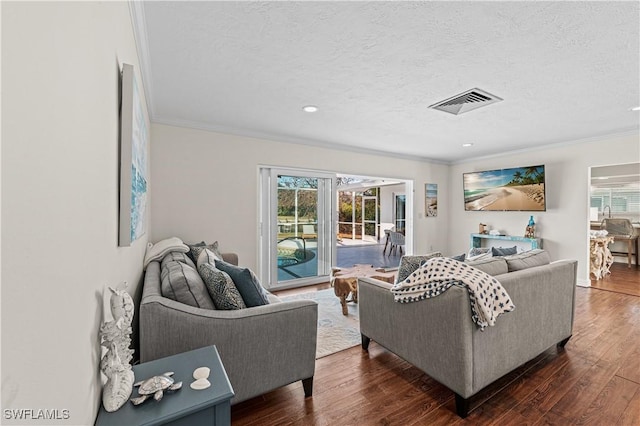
(116, 363)
(155, 387)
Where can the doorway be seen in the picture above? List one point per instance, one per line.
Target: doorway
(297, 232)
(614, 193)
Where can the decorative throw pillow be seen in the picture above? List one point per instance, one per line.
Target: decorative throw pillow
(460, 257)
(207, 256)
(247, 283)
(158, 250)
(408, 264)
(183, 284)
(479, 253)
(528, 259)
(504, 251)
(178, 257)
(196, 249)
(221, 288)
(492, 265)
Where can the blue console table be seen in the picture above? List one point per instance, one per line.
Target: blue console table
(182, 407)
(534, 243)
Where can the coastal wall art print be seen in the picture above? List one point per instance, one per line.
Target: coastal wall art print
(431, 199)
(133, 161)
(514, 189)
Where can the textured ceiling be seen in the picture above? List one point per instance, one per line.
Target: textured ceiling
(566, 71)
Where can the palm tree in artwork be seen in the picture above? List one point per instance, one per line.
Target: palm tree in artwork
(532, 174)
(517, 178)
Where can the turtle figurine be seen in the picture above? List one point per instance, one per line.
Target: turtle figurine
(155, 386)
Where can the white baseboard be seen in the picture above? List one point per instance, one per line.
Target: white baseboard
(583, 283)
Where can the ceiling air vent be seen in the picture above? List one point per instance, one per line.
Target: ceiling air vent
(466, 101)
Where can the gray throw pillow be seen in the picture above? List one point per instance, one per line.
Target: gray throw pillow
(221, 288)
(492, 266)
(477, 251)
(207, 256)
(408, 264)
(504, 251)
(528, 259)
(247, 283)
(460, 257)
(197, 248)
(178, 257)
(183, 284)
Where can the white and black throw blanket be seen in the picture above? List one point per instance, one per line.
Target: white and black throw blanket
(487, 296)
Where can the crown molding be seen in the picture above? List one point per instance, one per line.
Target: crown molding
(558, 144)
(288, 139)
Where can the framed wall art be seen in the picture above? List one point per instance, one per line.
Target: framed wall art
(431, 199)
(133, 160)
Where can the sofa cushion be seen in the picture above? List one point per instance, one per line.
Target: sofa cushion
(178, 257)
(247, 283)
(158, 250)
(528, 259)
(197, 248)
(492, 266)
(183, 284)
(504, 251)
(221, 288)
(408, 264)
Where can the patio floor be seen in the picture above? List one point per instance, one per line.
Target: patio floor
(347, 256)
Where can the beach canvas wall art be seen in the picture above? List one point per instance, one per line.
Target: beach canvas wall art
(431, 199)
(133, 161)
(514, 189)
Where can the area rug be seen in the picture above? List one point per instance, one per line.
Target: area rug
(336, 332)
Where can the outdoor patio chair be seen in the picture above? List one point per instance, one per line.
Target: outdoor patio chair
(397, 240)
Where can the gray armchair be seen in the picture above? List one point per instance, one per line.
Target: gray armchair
(262, 348)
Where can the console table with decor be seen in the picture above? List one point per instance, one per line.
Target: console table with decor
(533, 243)
(211, 406)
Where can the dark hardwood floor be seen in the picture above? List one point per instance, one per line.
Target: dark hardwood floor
(595, 380)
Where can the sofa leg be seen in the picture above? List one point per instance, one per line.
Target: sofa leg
(462, 406)
(563, 342)
(365, 342)
(307, 385)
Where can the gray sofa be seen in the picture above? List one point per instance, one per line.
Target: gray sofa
(262, 347)
(438, 336)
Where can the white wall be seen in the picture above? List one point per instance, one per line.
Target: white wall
(564, 226)
(387, 203)
(60, 72)
(206, 185)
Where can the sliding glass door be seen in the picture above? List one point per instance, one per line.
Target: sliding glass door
(297, 229)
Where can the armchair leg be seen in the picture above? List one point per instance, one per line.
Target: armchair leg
(462, 406)
(307, 385)
(365, 342)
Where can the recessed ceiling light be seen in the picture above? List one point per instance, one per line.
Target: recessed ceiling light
(310, 108)
(635, 109)
(467, 145)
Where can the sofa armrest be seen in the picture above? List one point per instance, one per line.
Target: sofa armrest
(231, 258)
(262, 348)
